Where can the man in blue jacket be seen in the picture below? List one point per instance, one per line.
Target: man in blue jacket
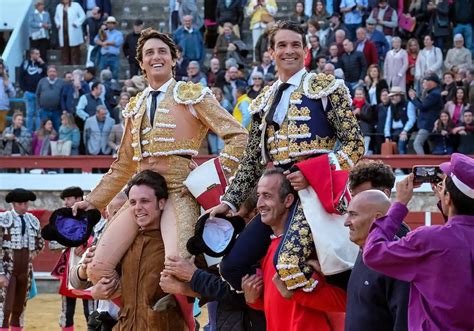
(190, 40)
(429, 109)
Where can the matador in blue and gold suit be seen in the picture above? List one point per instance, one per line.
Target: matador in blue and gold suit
(318, 121)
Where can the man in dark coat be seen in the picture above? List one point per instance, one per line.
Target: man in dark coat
(429, 109)
(374, 301)
(130, 47)
(353, 64)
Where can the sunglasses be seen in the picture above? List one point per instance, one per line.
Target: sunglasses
(255, 78)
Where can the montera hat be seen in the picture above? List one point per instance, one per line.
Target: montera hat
(215, 236)
(20, 195)
(70, 230)
(461, 171)
(72, 191)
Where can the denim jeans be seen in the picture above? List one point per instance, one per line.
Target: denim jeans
(466, 31)
(216, 144)
(401, 144)
(112, 62)
(32, 115)
(53, 115)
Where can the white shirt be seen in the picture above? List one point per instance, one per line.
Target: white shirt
(282, 108)
(163, 88)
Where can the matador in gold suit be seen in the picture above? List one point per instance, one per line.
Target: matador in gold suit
(181, 121)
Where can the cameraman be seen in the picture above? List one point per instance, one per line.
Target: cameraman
(436, 260)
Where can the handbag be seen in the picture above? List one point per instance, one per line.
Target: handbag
(406, 22)
(61, 148)
(389, 148)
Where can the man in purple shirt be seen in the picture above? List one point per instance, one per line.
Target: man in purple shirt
(438, 260)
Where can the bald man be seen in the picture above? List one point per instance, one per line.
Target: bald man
(374, 301)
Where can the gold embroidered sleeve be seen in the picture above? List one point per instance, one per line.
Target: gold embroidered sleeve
(226, 127)
(346, 127)
(120, 172)
(250, 169)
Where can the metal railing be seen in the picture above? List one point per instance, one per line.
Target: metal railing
(89, 162)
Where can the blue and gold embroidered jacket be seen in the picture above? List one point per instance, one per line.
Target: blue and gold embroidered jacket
(318, 116)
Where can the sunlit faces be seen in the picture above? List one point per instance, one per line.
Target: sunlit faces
(467, 117)
(145, 206)
(48, 125)
(52, 73)
(348, 46)
(288, 52)
(70, 201)
(18, 121)
(20, 207)
(384, 97)
(358, 221)
(427, 41)
(269, 204)
(157, 60)
(448, 78)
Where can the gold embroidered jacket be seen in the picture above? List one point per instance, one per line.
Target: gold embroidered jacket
(318, 116)
(182, 120)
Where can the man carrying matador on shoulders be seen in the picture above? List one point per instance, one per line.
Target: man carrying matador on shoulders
(302, 123)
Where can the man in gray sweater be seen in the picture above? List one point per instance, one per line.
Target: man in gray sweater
(48, 96)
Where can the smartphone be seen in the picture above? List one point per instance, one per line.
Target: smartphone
(427, 174)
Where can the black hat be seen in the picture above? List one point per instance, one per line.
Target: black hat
(69, 230)
(20, 195)
(433, 77)
(72, 191)
(215, 236)
(138, 22)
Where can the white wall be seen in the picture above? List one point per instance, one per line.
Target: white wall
(14, 16)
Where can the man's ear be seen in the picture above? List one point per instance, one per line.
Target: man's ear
(290, 198)
(161, 204)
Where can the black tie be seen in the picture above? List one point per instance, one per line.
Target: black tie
(154, 96)
(23, 225)
(273, 106)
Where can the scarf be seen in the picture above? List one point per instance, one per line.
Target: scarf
(358, 103)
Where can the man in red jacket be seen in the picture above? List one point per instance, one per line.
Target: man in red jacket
(286, 310)
(364, 45)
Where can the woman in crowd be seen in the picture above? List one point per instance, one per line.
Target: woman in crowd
(69, 18)
(257, 86)
(225, 43)
(365, 115)
(413, 48)
(313, 30)
(42, 138)
(448, 87)
(374, 84)
(401, 117)
(68, 131)
(117, 111)
(429, 60)
(16, 138)
(396, 65)
(320, 14)
(299, 16)
(260, 12)
(457, 106)
(442, 138)
(381, 115)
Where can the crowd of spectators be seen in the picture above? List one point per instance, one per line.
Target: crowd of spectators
(408, 65)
